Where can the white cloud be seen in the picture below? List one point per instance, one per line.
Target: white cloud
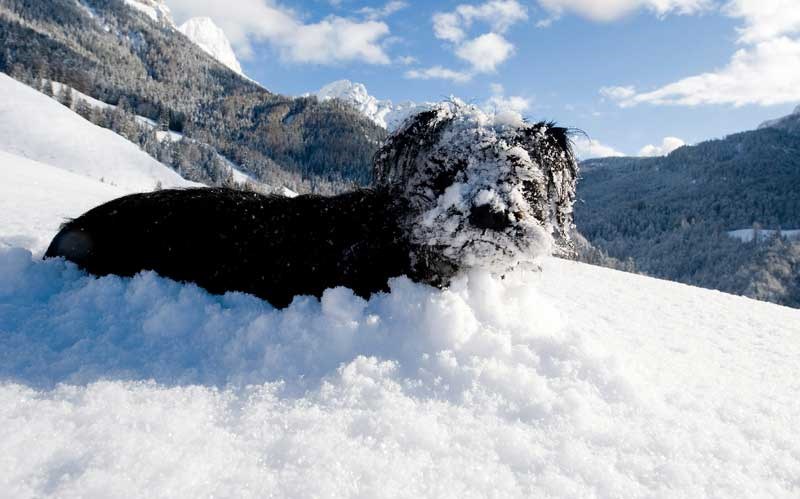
(438, 73)
(373, 13)
(586, 148)
(499, 102)
(609, 10)
(765, 74)
(485, 52)
(765, 71)
(765, 19)
(406, 60)
(668, 145)
(500, 15)
(447, 26)
(329, 41)
(618, 93)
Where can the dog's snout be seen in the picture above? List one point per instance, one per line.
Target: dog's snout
(485, 217)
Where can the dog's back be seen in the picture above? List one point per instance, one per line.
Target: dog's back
(223, 240)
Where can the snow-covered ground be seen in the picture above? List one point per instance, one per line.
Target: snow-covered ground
(38, 128)
(35, 199)
(576, 381)
(747, 235)
(57, 87)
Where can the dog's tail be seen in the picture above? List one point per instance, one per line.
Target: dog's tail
(72, 243)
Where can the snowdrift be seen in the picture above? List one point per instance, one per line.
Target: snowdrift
(573, 382)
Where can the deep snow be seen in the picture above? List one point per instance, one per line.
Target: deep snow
(576, 381)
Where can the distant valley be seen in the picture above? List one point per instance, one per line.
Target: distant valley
(722, 214)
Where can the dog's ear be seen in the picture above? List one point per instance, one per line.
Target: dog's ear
(555, 136)
(396, 161)
(560, 136)
(561, 171)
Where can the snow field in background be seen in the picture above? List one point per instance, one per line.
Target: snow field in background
(574, 382)
(35, 199)
(36, 127)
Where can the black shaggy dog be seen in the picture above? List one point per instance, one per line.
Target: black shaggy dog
(455, 188)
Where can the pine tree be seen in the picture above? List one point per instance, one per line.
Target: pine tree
(65, 96)
(163, 120)
(47, 88)
(84, 109)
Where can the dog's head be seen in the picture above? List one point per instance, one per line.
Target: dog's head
(482, 190)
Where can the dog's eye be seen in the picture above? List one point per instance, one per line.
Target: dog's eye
(441, 181)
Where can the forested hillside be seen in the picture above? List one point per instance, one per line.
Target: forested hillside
(670, 216)
(118, 55)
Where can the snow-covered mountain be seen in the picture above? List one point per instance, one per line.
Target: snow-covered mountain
(202, 31)
(210, 37)
(790, 121)
(54, 165)
(157, 10)
(147, 64)
(382, 112)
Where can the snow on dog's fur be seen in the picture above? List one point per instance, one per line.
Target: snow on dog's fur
(482, 190)
(455, 188)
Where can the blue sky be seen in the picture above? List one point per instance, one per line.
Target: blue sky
(629, 72)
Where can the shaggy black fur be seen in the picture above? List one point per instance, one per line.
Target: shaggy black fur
(227, 240)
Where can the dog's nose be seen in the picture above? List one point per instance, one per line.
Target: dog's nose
(484, 217)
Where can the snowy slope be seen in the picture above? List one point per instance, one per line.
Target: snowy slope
(157, 10)
(784, 121)
(573, 382)
(38, 128)
(383, 112)
(747, 235)
(210, 37)
(35, 199)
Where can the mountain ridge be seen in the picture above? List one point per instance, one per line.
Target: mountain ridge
(383, 112)
(791, 121)
(212, 39)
